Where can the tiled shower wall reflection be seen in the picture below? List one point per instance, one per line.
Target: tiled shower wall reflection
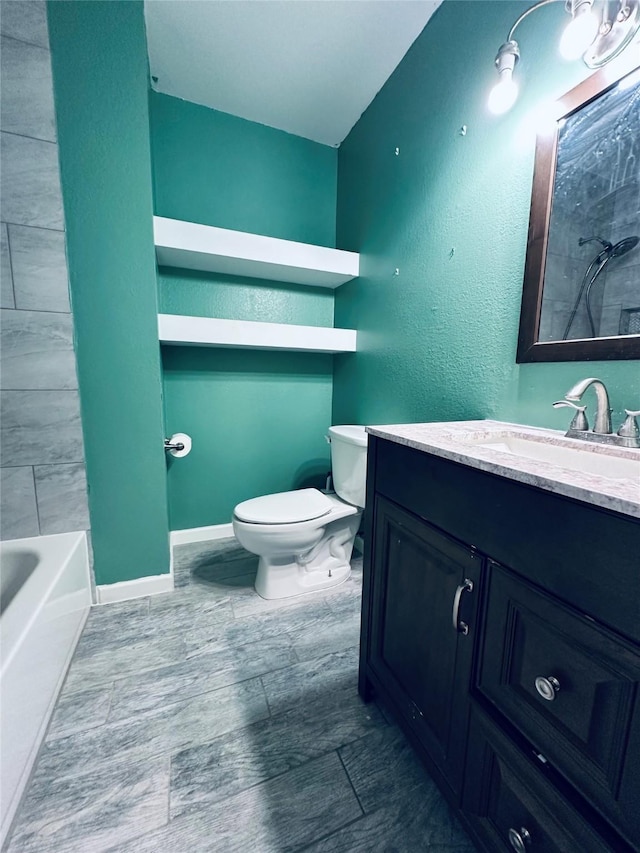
(43, 484)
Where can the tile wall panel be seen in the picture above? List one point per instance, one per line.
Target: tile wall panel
(27, 93)
(44, 488)
(39, 267)
(25, 20)
(6, 279)
(18, 510)
(36, 348)
(40, 428)
(30, 182)
(61, 492)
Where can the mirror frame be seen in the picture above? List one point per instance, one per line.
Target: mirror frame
(583, 349)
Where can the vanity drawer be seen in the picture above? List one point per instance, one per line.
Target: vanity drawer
(571, 688)
(511, 805)
(554, 541)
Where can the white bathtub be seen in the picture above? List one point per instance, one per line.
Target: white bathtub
(46, 595)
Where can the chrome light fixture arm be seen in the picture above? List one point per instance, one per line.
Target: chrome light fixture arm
(526, 13)
(597, 38)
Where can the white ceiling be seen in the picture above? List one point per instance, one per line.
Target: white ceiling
(310, 67)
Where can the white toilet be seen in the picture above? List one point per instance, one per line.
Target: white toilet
(304, 538)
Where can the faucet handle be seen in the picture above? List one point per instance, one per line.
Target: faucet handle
(579, 422)
(629, 428)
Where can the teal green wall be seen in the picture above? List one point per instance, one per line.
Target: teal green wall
(257, 419)
(438, 341)
(101, 93)
(217, 169)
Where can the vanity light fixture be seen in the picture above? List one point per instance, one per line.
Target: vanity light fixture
(599, 30)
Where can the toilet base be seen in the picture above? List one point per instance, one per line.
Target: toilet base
(326, 565)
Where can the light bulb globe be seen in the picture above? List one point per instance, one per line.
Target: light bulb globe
(579, 33)
(503, 95)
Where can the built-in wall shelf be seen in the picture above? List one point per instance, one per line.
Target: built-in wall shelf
(180, 330)
(204, 247)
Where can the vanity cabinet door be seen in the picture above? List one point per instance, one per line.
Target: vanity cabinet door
(423, 663)
(511, 805)
(571, 687)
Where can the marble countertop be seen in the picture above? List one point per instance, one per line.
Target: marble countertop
(461, 441)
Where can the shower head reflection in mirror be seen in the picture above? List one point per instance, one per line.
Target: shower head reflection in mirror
(603, 257)
(581, 293)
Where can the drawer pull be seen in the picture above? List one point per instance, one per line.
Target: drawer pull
(519, 840)
(547, 687)
(459, 626)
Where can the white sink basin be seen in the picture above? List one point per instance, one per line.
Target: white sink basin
(614, 464)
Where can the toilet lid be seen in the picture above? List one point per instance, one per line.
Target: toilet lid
(284, 507)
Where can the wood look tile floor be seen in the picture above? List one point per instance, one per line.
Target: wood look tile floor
(208, 719)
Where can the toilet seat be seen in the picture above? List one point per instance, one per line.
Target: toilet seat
(285, 507)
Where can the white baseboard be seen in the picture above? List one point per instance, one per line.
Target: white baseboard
(201, 534)
(123, 591)
(109, 593)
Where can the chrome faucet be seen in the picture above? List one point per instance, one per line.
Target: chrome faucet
(627, 436)
(602, 424)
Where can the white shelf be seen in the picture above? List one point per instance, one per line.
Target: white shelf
(179, 330)
(204, 247)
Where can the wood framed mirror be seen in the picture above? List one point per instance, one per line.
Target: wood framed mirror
(581, 292)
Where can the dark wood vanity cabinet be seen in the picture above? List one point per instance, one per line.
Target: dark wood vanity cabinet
(421, 661)
(570, 686)
(501, 625)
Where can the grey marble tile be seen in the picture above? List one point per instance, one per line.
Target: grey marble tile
(382, 755)
(325, 680)
(220, 551)
(111, 615)
(37, 350)
(220, 572)
(80, 711)
(30, 184)
(247, 602)
(171, 729)
(18, 510)
(277, 816)
(40, 427)
(208, 569)
(94, 812)
(230, 588)
(110, 626)
(191, 610)
(7, 299)
(223, 666)
(211, 561)
(97, 662)
(39, 265)
(330, 632)
(241, 759)
(61, 492)
(345, 601)
(408, 827)
(26, 20)
(203, 636)
(27, 90)
(240, 778)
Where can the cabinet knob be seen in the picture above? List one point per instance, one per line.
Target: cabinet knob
(547, 687)
(519, 840)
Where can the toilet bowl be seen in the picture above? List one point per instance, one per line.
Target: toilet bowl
(304, 538)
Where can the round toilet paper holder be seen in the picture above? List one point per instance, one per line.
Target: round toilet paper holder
(178, 445)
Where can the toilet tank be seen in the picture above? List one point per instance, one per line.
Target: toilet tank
(349, 462)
